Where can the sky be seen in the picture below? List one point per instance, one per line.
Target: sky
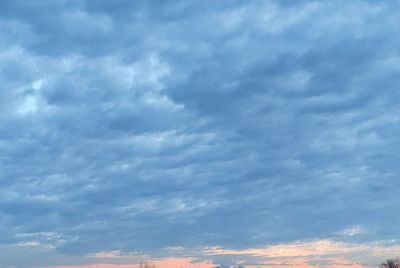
(197, 134)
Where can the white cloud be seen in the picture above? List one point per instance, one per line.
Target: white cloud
(353, 230)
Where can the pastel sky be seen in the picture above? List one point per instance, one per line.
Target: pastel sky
(198, 134)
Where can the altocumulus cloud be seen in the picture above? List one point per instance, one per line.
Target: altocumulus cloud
(215, 130)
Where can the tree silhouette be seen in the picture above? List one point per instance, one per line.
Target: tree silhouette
(392, 263)
(146, 265)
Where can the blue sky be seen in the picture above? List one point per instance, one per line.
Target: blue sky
(198, 129)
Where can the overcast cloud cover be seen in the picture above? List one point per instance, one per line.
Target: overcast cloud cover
(201, 129)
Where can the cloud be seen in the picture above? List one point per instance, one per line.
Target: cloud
(351, 231)
(317, 253)
(148, 127)
(320, 252)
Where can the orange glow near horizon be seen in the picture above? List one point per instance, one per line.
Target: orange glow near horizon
(179, 265)
(166, 263)
(311, 254)
(188, 263)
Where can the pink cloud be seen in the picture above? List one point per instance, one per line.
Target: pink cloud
(188, 263)
(177, 264)
(310, 254)
(165, 263)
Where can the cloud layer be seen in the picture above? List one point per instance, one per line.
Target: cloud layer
(142, 126)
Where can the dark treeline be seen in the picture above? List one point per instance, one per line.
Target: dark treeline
(391, 263)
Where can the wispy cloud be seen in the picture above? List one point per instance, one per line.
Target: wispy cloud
(322, 252)
(353, 230)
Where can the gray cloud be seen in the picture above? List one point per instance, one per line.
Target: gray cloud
(142, 126)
